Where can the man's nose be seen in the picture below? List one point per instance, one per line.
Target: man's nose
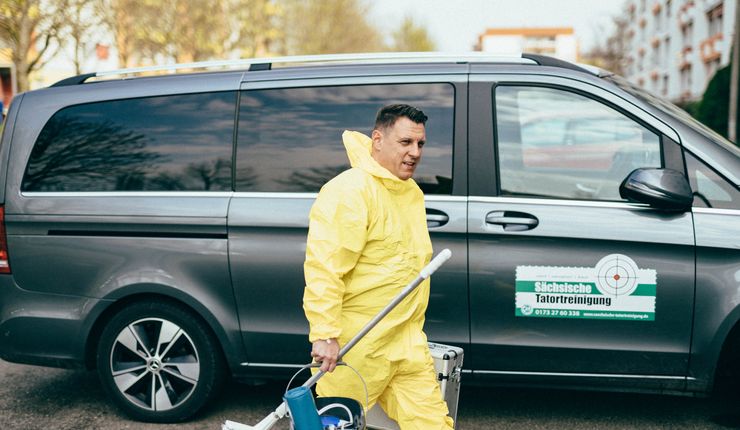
(415, 150)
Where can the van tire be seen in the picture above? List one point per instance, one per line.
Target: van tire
(159, 362)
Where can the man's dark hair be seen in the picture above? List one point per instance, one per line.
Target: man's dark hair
(388, 115)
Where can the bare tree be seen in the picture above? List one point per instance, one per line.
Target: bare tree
(121, 17)
(212, 174)
(255, 26)
(90, 153)
(611, 54)
(329, 26)
(81, 23)
(185, 31)
(181, 31)
(32, 29)
(411, 37)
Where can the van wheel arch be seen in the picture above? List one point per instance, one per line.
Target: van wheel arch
(93, 337)
(727, 372)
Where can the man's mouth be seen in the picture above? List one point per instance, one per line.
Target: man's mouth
(409, 164)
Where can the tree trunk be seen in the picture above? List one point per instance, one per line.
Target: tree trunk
(21, 53)
(123, 36)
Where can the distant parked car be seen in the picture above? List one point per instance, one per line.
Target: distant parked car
(154, 227)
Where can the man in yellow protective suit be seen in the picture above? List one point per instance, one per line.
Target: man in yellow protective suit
(367, 240)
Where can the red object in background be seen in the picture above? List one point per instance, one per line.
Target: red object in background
(6, 86)
(4, 265)
(102, 52)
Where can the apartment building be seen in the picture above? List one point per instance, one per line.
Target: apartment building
(558, 42)
(676, 46)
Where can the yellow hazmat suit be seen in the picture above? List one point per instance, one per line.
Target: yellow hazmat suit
(367, 240)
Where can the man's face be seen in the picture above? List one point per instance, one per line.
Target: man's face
(398, 148)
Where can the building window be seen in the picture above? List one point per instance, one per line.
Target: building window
(714, 20)
(659, 27)
(686, 80)
(666, 52)
(688, 35)
(540, 45)
(665, 85)
(655, 58)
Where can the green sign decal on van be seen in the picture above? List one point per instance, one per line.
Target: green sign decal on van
(614, 289)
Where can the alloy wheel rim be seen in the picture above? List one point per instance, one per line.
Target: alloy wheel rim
(154, 364)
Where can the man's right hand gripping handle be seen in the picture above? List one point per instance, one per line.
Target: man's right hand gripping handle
(326, 351)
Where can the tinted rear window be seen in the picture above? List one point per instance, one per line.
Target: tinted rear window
(290, 140)
(169, 143)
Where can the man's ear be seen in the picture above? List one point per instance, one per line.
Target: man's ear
(377, 136)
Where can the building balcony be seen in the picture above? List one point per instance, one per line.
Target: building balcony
(642, 22)
(685, 58)
(655, 42)
(656, 8)
(654, 75)
(710, 48)
(684, 18)
(684, 14)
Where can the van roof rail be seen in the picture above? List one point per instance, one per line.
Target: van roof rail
(544, 60)
(259, 64)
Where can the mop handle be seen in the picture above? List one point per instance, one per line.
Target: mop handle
(426, 272)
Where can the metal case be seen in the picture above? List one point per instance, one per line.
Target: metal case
(448, 361)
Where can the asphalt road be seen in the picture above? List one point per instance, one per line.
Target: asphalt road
(42, 398)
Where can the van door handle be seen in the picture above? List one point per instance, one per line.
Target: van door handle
(436, 218)
(512, 221)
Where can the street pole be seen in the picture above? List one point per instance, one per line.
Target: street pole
(732, 116)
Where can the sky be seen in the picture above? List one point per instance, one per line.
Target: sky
(455, 25)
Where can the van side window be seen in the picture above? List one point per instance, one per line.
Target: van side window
(558, 144)
(710, 190)
(170, 143)
(290, 140)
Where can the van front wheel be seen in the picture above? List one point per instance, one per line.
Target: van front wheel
(158, 362)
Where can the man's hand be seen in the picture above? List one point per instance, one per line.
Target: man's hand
(326, 351)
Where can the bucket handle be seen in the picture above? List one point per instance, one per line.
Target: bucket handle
(339, 363)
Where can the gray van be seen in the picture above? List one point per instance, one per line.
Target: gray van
(153, 227)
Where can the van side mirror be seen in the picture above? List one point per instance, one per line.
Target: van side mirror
(665, 189)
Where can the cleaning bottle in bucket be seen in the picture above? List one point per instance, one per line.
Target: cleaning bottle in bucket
(303, 409)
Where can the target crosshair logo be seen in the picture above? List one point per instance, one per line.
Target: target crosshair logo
(616, 275)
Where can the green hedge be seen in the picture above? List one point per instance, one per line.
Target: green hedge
(713, 110)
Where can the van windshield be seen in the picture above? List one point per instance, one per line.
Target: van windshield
(673, 110)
